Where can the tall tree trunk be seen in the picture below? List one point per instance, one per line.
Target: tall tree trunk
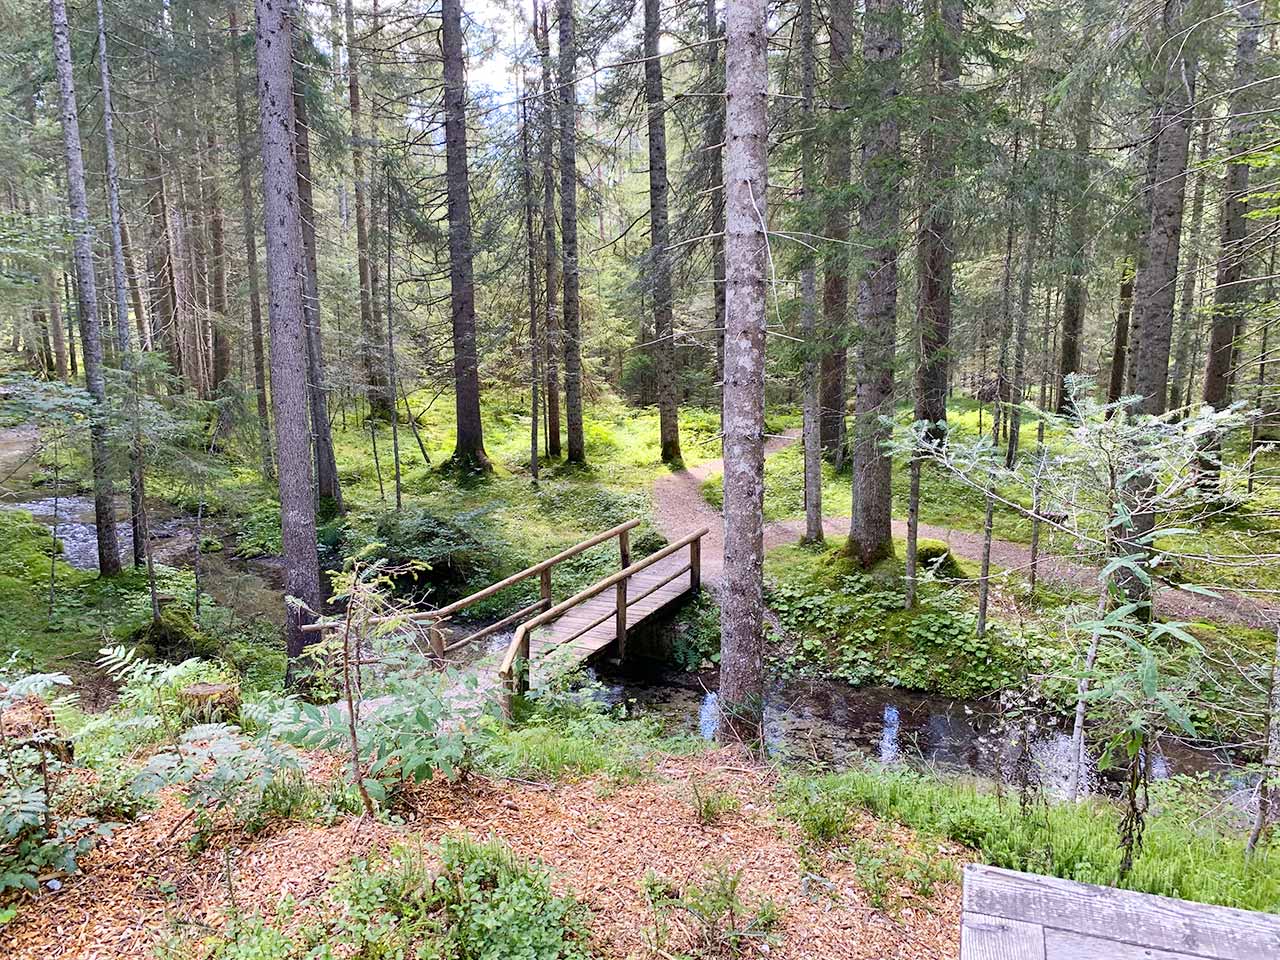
(90, 324)
(328, 489)
(870, 527)
(1120, 346)
(1077, 239)
(469, 450)
(137, 492)
(550, 252)
(531, 281)
(374, 366)
(746, 180)
(835, 273)
(1230, 294)
(56, 328)
(812, 402)
(161, 266)
(568, 66)
(1188, 324)
(660, 239)
(250, 217)
(714, 146)
(1030, 260)
(1154, 287)
(140, 319)
(217, 269)
(285, 272)
(936, 245)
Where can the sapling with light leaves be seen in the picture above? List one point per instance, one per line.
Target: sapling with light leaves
(403, 720)
(1120, 487)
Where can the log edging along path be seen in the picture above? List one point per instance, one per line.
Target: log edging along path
(678, 506)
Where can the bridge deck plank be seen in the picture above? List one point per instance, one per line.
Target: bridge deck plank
(552, 640)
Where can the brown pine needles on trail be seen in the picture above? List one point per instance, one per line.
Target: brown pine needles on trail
(599, 838)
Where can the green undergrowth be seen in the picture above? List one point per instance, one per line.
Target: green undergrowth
(850, 624)
(461, 899)
(1184, 854)
(567, 733)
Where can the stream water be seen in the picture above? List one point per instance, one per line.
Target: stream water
(836, 726)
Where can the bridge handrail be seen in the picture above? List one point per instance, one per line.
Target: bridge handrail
(519, 646)
(543, 569)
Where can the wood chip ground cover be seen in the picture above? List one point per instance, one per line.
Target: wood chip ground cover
(598, 838)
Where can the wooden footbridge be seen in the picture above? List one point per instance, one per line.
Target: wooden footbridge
(551, 637)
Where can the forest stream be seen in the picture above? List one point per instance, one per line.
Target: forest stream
(822, 721)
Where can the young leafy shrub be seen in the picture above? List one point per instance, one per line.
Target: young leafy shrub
(717, 920)
(226, 777)
(419, 724)
(496, 907)
(105, 794)
(35, 838)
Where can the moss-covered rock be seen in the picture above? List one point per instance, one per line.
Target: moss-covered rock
(936, 556)
(174, 637)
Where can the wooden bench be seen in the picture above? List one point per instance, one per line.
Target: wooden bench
(1025, 916)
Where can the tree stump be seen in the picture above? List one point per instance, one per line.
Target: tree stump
(30, 722)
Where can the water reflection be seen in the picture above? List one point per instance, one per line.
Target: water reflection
(837, 726)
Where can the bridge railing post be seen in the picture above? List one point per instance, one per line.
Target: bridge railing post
(523, 666)
(545, 585)
(695, 564)
(621, 617)
(624, 549)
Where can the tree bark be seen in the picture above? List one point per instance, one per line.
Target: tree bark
(936, 244)
(1188, 323)
(1077, 239)
(660, 239)
(741, 692)
(328, 489)
(714, 145)
(1269, 784)
(285, 271)
(1120, 346)
(835, 274)
(57, 329)
(469, 450)
(812, 399)
(250, 217)
(550, 251)
(137, 492)
(568, 65)
(531, 284)
(870, 527)
(371, 352)
(140, 319)
(1230, 294)
(90, 323)
(1154, 287)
